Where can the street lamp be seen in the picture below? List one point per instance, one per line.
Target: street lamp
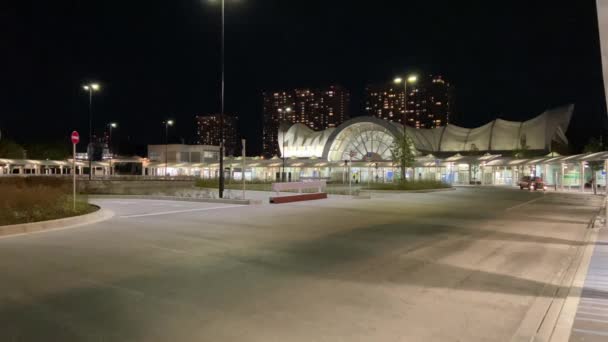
(284, 111)
(167, 123)
(111, 126)
(398, 80)
(91, 87)
(222, 55)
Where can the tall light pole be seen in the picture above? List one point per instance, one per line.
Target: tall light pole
(399, 80)
(222, 142)
(111, 126)
(405, 81)
(222, 62)
(283, 111)
(91, 87)
(167, 124)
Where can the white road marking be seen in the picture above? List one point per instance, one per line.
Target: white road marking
(593, 313)
(525, 203)
(592, 308)
(120, 288)
(179, 251)
(591, 332)
(179, 211)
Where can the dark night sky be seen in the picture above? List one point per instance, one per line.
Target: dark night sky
(158, 59)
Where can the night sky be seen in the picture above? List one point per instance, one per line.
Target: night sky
(160, 59)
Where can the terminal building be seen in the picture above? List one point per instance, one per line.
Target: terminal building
(497, 153)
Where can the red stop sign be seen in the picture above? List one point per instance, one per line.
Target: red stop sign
(75, 137)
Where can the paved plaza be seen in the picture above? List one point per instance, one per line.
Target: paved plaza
(463, 265)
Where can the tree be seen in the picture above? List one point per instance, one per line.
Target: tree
(402, 152)
(473, 167)
(11, 150)
(594, 145)
(48, 150)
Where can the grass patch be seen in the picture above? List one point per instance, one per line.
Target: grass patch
(33, 199)
(234, 185)
(334, 189)
(405, 186)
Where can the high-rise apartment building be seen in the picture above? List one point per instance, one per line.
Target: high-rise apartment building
(429, 102)
(316, 108)
(209, 131)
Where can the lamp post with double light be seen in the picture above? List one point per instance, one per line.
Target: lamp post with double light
(405, 81)
(283, 112)
(398, 80)
(90, 88)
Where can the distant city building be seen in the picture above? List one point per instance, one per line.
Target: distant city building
(429, 102)
(318, 109)
(209, 131)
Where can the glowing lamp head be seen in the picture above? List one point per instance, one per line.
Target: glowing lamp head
(412, 79)
(398, 80)
(91, 87)
(113, 125)
(170, 122)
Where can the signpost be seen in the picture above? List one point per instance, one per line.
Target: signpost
(243, 167)
(75, 139)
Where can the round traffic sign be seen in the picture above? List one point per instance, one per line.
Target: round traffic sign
(75, 137)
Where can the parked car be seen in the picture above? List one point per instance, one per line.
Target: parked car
(532, 183)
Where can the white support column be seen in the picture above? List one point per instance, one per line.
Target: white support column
(582, 177)
(563, 176)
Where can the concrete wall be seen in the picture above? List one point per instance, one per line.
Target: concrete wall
(134, 187)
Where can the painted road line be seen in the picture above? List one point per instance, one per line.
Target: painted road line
(179, 211)
(593, 314)
(583, 319)
(590, 332)
(525, 203)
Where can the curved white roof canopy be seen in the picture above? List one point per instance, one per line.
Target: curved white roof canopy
(370, 137)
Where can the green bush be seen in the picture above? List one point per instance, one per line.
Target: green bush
(411, 185)
(234, 185)
(31, 199)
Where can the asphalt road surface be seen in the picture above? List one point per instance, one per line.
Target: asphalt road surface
(465, 265)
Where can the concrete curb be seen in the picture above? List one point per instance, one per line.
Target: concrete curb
(68, 222)
(182, 199)
(551, 316)
(562, 327)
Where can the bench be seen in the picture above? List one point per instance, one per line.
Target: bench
(291, 186)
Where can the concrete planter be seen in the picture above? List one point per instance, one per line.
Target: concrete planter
(179, 198)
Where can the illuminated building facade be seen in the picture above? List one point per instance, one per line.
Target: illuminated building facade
(209, 132)
(317, 109)
(429, 102)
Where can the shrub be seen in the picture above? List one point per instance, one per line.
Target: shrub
(411, 185)
(31, 199)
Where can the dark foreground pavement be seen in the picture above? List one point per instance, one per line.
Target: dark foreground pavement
(464, 265)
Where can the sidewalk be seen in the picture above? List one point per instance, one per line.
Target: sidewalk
(591, 320)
